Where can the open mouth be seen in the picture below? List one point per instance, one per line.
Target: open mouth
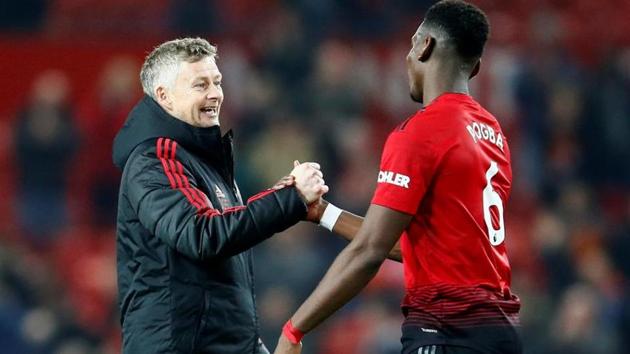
(210, 111)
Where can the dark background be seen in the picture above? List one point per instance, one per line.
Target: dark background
(314, 80)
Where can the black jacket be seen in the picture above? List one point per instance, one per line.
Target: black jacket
(185, 277)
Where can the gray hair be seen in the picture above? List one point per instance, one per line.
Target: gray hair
(161, 66)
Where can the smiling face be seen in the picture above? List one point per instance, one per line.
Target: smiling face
(195, 96)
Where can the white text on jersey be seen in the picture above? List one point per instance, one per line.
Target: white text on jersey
(396, 179)
(479, 131)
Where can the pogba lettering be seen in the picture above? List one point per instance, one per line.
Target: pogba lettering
(480, 131)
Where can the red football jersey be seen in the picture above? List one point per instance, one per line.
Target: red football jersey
(449, 167)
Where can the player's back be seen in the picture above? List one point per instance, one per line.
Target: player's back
(455, 162)
(458, 232)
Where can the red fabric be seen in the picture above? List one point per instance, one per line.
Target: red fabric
(460, 306)
(446, 166)
(260, 195)
(166, 149)
(293, 334)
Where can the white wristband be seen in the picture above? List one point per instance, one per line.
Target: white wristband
(329, 219)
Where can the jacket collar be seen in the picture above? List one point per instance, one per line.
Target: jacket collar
(148, 120)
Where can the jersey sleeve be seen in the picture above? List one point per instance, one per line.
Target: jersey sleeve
(407, 167)
(169, 205)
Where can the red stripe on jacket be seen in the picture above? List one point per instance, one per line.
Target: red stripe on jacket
(174, 171)
(201, 202)
(260, 195)
(160, 155)
(163, 146)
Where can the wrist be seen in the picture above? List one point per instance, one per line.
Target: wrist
(330, 216)
(321, 208)
(301, 195)
(293, 334)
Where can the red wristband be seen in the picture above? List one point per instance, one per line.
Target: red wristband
(293, 334)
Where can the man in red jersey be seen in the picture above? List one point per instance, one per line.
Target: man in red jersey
(444, 180)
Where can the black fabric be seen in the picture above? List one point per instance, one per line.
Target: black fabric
(185, 276)
(148, 121)
(444, 349)
(469, 340)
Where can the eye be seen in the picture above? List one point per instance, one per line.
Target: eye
(199, 85)
(218, 83)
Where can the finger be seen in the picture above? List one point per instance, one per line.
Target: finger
(282, 184)
(312, 171)
(298, 170)
(315, 165)
(285, 183)
(288, 178)
(302, 169)
(313, 180)
(315, 173)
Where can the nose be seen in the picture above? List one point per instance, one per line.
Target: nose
(214, 92)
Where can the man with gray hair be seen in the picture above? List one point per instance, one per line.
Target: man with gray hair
(185, 276)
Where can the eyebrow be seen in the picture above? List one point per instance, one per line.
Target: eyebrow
(216, 77)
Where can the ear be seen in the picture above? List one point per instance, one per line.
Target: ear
(475, 70)
(427, 48)
(163, 98)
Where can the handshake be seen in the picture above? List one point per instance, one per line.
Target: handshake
(308, 179)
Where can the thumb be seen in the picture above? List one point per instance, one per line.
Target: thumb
(296, 163)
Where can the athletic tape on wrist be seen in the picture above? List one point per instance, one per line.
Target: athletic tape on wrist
(329, 219)
(293, 334)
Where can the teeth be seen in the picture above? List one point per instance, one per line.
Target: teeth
(211, 111)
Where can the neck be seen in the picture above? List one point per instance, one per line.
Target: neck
(442, 80)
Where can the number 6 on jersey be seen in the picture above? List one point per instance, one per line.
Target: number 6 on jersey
(490, 199)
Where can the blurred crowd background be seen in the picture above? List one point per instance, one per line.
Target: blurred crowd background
(314, 80)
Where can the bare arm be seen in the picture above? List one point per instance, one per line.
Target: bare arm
(353, 268)
(348, 225)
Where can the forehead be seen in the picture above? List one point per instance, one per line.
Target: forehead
(204, 68)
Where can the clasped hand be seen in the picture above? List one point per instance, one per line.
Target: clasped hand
(309, 181)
